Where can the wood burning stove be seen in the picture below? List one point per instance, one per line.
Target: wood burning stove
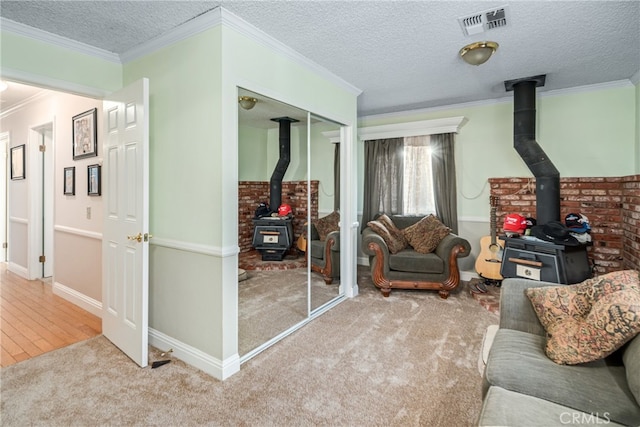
(273, 234)
(544, 261)
(272, 237)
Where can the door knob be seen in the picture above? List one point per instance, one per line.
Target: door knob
(137, 237)
(147, 236)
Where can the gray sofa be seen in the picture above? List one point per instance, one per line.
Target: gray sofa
(409, 269)
(522, 386)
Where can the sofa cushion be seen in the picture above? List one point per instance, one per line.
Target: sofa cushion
(411, 261)
(327, 224)
(590, 320)
(517, 362)
(631, 360)
(425, 235)
(392, 236)
(507, 408)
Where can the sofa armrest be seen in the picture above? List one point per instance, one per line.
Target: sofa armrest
(369, 236)
(447, 244)
(334, 238)
(516, 311)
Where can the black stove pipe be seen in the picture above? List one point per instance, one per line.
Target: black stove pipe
(524, 141)
(275, 184)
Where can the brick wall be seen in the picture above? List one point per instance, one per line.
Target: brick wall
(612, 205)
(252, 193)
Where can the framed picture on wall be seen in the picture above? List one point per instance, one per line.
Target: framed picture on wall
(85, 134)
(70, 181)
(93, 184)
(17, 162)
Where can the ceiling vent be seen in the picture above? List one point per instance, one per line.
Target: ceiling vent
(484, 21)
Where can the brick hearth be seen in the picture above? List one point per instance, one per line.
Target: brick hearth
(612, 205)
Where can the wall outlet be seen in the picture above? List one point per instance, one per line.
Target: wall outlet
(88, 212)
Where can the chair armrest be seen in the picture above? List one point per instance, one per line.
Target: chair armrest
(334, 237)
(447, 244)
(516, 311)
(369, 236)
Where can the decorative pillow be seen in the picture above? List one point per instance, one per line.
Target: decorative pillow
(327, 225)
(590, 320)
(394, 243)
(613, 320)
(426, 234)
(395, 231)
(555, 303)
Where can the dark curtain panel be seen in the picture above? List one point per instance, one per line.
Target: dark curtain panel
(383, 172)
(336, 177)
(444, 179)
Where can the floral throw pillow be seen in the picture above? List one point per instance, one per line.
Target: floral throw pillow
(395, 240)
(589, 320)
(327, 224)
(425, 235)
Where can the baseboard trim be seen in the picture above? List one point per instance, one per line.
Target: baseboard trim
(18, 269)
(220, 369)
(81, 300)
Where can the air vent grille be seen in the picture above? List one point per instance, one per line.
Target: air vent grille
(484, 21)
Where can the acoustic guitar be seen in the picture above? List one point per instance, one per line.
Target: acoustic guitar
(489, 260)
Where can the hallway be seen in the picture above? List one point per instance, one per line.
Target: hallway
(35, 321)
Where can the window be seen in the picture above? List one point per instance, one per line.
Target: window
(417, 191)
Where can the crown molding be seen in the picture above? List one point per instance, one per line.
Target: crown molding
(422, 127)
(190, 28)
(504, 100)
(6, 112)
(56, 40)
(51, 83)
(248, 30)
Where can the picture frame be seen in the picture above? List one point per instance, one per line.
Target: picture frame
(93, 180)
(18, 162)
(85, 134)
(70, 181)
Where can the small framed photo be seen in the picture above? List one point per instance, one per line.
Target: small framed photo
(85, 134)
(17, 162)
(93, 184)
(70, 181)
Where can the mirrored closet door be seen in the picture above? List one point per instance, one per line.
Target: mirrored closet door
(286, 182)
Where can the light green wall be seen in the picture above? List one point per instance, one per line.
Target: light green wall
(184, 124)
(584, 134)
(252, 153)
(58, 64)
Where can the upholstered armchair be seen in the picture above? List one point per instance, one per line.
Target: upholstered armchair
(400, 266)
(324, 247)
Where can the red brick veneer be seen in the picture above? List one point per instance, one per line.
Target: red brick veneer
(612, 205)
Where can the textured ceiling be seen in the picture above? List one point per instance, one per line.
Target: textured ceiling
(402, 54)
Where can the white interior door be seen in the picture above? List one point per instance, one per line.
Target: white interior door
(125, 247)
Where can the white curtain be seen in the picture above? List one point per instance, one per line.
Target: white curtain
(418, 182)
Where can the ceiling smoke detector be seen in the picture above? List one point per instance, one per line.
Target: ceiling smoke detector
(484, 21)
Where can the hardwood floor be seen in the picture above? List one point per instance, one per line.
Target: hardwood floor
(34, 321)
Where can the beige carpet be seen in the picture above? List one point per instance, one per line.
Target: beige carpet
(272, 301)
(406, 360)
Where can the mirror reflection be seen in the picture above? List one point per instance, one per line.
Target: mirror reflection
(324, 242)
(285, 194)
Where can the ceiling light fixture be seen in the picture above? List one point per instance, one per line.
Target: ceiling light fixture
(478, 53)
(247, 102)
